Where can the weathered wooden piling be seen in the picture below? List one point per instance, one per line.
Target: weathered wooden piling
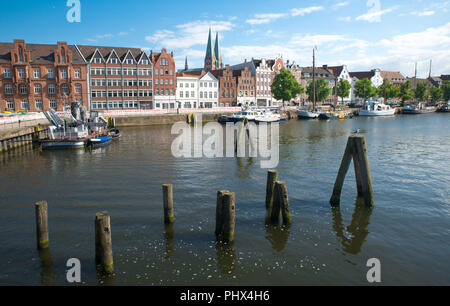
(357, 150)
(41, 209)
(284, 203)
(103, 243)
(168, 203)
(225, 216)
(272, 177)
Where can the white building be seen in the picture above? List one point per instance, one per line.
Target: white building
(264, 79)
(197, 89)
(341, 73)
(374, 76)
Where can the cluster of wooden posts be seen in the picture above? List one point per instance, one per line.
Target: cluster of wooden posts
(277, 205)
(9, 144)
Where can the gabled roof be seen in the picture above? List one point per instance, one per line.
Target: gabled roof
(88, 51)
(363, 74)
(317, 71)
(336, 70)
(191, 73)
(40, 53)
(390, 75)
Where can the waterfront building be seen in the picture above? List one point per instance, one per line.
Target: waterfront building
(164, 80)
(227, 87)
(37, 77)
(197, 89)
(341, 73)
(373, 75)
(319, 73)
(119, 78)
(394, 77)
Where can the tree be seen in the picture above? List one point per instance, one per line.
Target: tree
(421, 91)
(446, 90)
(436, 94)
(285, 86)
(343, 89)
(405, 92)
(364, 89)
(388, 90)
(322, 90)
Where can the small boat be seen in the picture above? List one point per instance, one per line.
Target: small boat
(115, 133)
(304, 114)
(267, 116)
(99, 141)
(376, 109)
(63, 144)
(444, 108)
(223, 119)
(328, 116)
(418, 109)
(241, 116)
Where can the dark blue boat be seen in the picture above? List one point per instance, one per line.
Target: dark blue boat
(99, 141)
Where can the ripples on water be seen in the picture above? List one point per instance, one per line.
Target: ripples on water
(408, 230)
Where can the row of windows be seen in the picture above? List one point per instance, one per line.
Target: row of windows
(161, 72)
(37, 73)
(23, 89)
(115, 104)
(121, 83)
(163, 92)
(163, 81)
(202, 94)
(120, 93)
(121, 71)
(228, 94)
(128, 61)
(24, 105)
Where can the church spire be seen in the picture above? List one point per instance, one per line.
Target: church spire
(218, 62)
(209, 54)
(186, 66)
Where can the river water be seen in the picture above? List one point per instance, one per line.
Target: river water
(408, 230)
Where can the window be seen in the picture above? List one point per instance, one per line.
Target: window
(181, 94)
(181, 85)
(51, 89)
(53, 104)
(39, 104)
(50, 74)
(77, 74)
(64, 73)
(10, 105)
(156, 71)
(192, 94)
(37, 89)
(7, 73)
(8, 89)
(23, 89)
(171, 72)
(78, 88)
(21, 73)
(65, 89)
(24, 104)
(167, 92)
(37, 74)
(187, 94)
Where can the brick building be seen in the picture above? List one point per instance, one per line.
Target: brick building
(227, 87)
(164, 80)
(36, 77)
(119, 78)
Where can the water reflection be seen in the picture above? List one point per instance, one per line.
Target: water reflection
(226, 257)
(104, 279)
(278, 236)
(48, 275)
(358, 228)
(169, 234)
(244, 167)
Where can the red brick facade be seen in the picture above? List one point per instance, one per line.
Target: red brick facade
(227, 87)
(39, 77)
(164, 79)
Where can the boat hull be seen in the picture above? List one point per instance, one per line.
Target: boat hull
(367, 113)
(55, 145)
(307, 115)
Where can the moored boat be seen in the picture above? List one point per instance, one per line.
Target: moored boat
(418, 109)
(376, 109)
(328, 116)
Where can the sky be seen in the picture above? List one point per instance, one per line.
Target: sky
(362, 34)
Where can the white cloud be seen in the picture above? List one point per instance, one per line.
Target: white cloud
(189, 34)
(424, 13)
(264, 18)
(341, 4)
(374, 15)
(305, 10)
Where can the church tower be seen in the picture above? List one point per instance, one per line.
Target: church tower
(209, 58)
(218, 58)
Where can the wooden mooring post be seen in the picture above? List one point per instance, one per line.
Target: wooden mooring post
(169, 217)
(272, 177)
(103, 243)
(357, 150)
(225, 216)
(41, 209)
(280, 205)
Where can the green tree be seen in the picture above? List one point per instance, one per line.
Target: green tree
(285, 86)
(405, 92)
(364, 89)
(446, 90)
(421, 91)
(436, 94)
(388, 90)
(323, 91)
(343, 89)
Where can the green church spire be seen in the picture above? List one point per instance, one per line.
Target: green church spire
(209, 50)
(217, 52)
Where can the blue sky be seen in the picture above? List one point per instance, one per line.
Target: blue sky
(363, 34)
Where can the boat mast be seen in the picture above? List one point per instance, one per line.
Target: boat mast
(314, 79)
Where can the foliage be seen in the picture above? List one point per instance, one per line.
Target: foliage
(285, 86)
(364, 89)
(436, 94)
(343, 89)
(322, 90)
(405, 92)
(446, 90)
(421, 91)
(388, 90)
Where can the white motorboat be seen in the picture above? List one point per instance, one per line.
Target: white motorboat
(267, 116)
(241, 116)
(376, 109)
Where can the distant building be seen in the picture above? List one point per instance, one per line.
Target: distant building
(164, 80)
(341, 73)
(227, 87)
(320, 73)
(395, 78)
(213, 58)
(373, 75)
(197, 89)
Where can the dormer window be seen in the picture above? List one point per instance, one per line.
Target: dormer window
(129, 61)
